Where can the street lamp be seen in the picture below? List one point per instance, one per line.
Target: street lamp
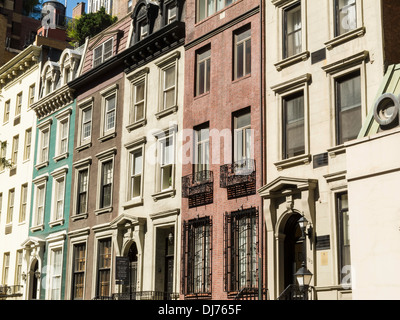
(303, 275)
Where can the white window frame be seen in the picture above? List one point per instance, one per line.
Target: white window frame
(103, 56)
(59, 176)
(243, 42)
(27, 144)
(106, 95)
(40, 183)
(23, 207)
(80, 166)
(84, 106)
(3, 154)
(43, 145)
(18, 105)
(216, 8)
(7, 106)
(32, 93)
(104, 157)
(76, 239)
(136, 78)
(14, 153)
(169, 62)
(10, 206)
(62, 118)
(98, 237)
(55, 244)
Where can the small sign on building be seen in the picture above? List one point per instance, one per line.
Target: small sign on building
(122, 269)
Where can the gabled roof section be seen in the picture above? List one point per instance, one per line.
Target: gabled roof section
(119, 32)
(389, 84)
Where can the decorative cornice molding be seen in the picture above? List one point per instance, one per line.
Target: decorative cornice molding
(53, 102)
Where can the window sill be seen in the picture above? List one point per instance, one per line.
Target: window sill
(294, 161)
(348, 36)
(202, 95)
(58, 222)
(39, 227)
(241, 78)
(166, 112)
(42, 165)
(292, 60)
(83, 146)
(337, 150)
(103, 210)
(169, 193)
(107, 136)
(135, 202)
(138, 124)
(79, 216)
(61, 156)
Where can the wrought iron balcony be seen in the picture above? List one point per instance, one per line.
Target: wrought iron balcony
(198, 188)
(248, 293)
(10, 291)
(146, 295)
(239, 178)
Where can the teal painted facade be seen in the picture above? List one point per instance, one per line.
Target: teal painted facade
(52, 167)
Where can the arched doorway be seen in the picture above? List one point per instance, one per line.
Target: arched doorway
(130, 288)
(34, 280)
(293, 248)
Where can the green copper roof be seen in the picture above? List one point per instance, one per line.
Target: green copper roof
(390, 84)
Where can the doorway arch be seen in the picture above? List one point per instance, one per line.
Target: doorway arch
(132, 254)
(293, 249)
(34, 280)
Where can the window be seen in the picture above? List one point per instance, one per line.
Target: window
(6, 111)
(242, 53)
(28, 142)
(103, 269)
(62, 140)
(82, 194)
(86, 125)
(14, 154)
(58, 198)
(40, 203)
(106, 184)
(102, 52)
(241, 229)
(206, 8)
(242, 143)
(109, 123)
(143, 30)
(197, 256)
(10, 209)
(55, 274)
(203, 68)
(292, 37)
(23, 202)
(43, 144)
(18, 268)
(169, 86)
(345, 16)
(166, 148)
(138, 111)
(130, 5)
(348, 107)
(31, 94)
(202, 150)
(79, 265)
(171, 13)
(3, 154)
(6, 267)
(1, 202)
(293, 126)
(18, 105)
(343, 229)
(136, 169)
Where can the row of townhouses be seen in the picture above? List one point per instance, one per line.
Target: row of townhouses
(205, 149)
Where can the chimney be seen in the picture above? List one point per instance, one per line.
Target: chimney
(78, 10)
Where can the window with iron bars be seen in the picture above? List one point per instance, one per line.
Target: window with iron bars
(196, 260)
(241, 249)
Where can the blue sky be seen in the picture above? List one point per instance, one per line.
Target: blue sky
(72, 4)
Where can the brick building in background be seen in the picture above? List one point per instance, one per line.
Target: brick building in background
(222, 231)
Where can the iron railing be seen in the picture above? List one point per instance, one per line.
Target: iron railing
(293, 292)
(239, 178)
(10, 291)
(248, 293)
(198, 187)
(141, 295)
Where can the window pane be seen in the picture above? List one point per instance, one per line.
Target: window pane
(346, 16)
(293, 32)
(110, 113)
(294, 127)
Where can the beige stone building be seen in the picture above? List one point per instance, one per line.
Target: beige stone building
(325, 61)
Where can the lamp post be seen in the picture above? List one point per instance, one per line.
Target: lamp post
(303, 275)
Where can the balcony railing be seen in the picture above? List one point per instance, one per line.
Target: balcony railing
(248, 293)
(198, 188)
(239, 178)
(293, 292)
(10, 291)
(141, 295)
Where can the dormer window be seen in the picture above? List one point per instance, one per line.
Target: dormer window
(102, 52)
(171, 13)
(143, 30)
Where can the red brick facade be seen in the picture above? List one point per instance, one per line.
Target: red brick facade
(217, 107)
